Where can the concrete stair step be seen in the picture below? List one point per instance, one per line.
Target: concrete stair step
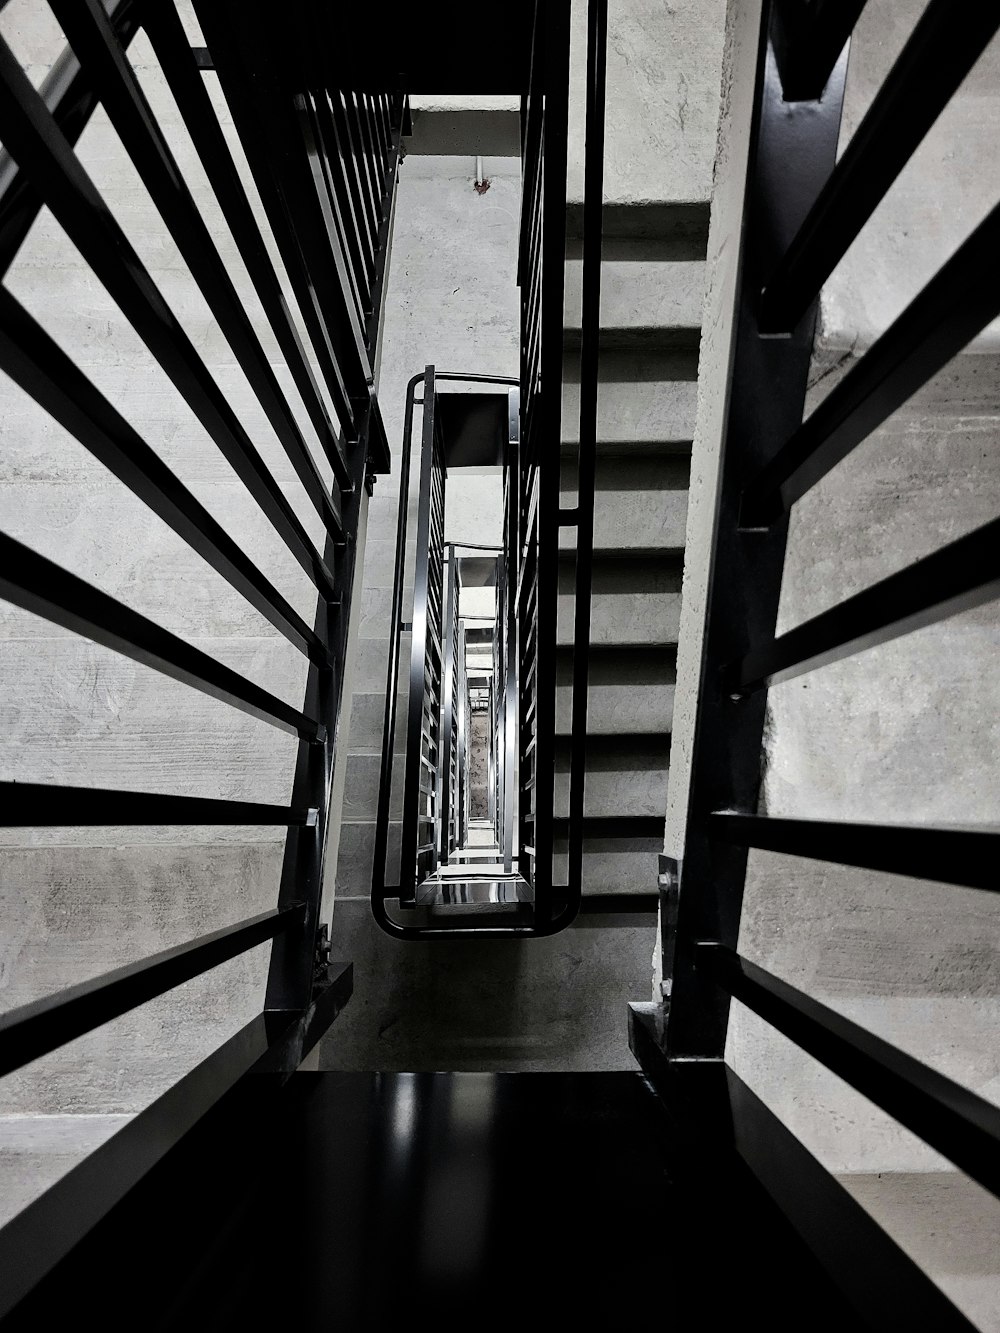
(630, 690)
(635, 600)
(646, 398)
(640, 505)
(646, 301)
(619, 856)
(626, 776)
(635, 336)
(442, 126)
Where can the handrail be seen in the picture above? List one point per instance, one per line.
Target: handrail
(593, 211)
(68, 93)
(533, 518)
(278, 90)
(35, 1029)
(45, 1232)
(381, 892)
(802, 208)
(418, 836)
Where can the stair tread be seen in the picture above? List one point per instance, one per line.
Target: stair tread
(645, 300)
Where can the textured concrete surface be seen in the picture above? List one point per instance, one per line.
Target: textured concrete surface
(635, 600)
(628, 690)
(642, 294)
(626, 774)
(479, 766)
(663, 99)
(545, 1004)
(646, 398)
(939, 197)
(947, 1224)
(37, 1149)
(907, 732)
(641, 505)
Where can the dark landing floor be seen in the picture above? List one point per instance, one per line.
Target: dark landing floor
(445, 1202)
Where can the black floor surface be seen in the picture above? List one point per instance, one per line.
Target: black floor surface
(445, 1202)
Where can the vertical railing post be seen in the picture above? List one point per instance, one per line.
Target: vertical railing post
(548, 436)
(792, 149)
(593, 233)
(271, 77)
(415, 823)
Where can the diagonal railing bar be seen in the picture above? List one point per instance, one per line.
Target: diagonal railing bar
(38, 585)
(28, 131)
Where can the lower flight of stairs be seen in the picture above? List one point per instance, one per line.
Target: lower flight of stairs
(652, 292)
(652, 289)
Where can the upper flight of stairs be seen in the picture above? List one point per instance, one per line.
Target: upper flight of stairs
(652, 287)
(651, 301)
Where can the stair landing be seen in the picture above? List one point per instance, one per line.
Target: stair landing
(449, 1202)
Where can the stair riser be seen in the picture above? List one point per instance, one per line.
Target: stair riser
(644, 398)
(640, 504)
(612, 710)
(615, 866)
(625, 618)
(655, 301)
(630, 792)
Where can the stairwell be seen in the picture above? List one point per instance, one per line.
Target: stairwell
(453, 302)
(652, 294)
(892, 952)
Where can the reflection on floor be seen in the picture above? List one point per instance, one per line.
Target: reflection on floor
(452, 1202)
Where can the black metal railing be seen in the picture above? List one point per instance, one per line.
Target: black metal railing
(452, 760)
(323, 158)
(533, 518)
(535, 495)
(419, 847)
(434, 788)
(537, 518)
(804, 206)
(507, 635)
(504, 717)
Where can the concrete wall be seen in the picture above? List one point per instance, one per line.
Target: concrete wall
(907, 732)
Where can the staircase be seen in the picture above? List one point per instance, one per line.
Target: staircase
(339, 1186)
(652, 292)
